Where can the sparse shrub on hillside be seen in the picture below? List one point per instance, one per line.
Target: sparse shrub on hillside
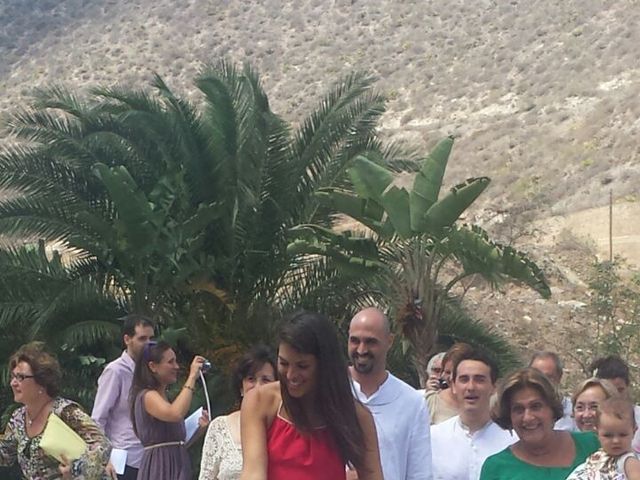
(611, 322)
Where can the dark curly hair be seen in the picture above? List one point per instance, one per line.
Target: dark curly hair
(247, 366)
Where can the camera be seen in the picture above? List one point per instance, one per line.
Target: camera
(206, 366)
(442, 383)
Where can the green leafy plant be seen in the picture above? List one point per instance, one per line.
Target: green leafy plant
(416, 247)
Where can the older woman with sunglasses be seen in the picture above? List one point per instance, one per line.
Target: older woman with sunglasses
(35, 379)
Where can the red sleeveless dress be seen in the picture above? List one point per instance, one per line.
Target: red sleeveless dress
(297, 456)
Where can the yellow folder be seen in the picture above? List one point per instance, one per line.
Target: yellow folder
(58, 439)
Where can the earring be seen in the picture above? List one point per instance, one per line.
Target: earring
(40, 392)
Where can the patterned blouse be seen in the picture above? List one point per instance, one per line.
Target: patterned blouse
(600, 466)
(221, 456)
(35, 464)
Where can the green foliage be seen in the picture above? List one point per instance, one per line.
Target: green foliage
(614, 307)
(418, 251)
(174, 210)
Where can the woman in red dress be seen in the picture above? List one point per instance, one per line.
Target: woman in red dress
(308, 426)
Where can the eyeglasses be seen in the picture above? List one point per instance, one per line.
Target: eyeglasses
(20, 377)
(584, 408)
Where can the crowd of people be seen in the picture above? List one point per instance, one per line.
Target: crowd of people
(308, 414)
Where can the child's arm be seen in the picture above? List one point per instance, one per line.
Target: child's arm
(632, 468)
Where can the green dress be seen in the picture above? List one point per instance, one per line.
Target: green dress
(506, 466)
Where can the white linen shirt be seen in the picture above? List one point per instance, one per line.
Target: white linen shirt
(402, 424)
(566, 422)
(459, 454)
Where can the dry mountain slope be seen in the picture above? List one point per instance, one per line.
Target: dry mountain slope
(543, 95)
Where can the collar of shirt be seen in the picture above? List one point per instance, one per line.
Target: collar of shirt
(384, 395)
(468, 432)
(128, 361)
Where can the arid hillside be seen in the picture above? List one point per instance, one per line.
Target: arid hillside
(543, 96)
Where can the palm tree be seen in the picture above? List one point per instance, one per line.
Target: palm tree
(419, 250)
(182, 211)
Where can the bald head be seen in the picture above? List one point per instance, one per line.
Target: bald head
(373, 318)
(369, 341)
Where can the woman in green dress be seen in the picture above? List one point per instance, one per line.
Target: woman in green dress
(529, 404)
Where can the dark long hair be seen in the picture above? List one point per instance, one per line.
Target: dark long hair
(143, 377)
(312, 333)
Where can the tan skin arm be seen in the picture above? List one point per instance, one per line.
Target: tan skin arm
(259, 407)
(372, 454)
(632, 468)
(157, 406)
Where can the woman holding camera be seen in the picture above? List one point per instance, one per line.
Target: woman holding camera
(159, 423)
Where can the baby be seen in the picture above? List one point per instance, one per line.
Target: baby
(615, 424)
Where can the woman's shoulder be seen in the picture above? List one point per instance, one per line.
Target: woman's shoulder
(431, 395)
(17, 417)
(585, 438)
(64, 406)
(586, 443)
(500, 461)
(503, 455)
(219, 424)
(217, 427)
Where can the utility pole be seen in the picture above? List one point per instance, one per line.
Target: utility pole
(611, 225)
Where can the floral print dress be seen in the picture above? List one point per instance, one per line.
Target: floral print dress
(600, 466)
(35, 464)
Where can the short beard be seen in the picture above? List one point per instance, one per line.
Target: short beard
(363, 369)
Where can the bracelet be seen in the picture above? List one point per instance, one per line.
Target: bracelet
(189, 387)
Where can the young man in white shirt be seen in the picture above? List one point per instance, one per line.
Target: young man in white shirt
(462, 443)
(399, 411)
